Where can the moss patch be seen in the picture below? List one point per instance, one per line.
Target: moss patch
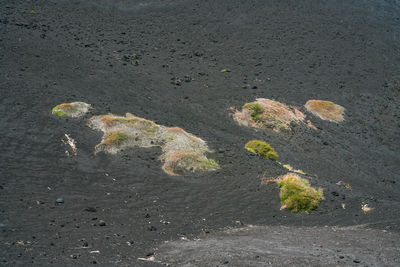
(297, 195)
(262, 149)
(57, 111)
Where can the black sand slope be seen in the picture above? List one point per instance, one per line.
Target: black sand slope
(162, 60)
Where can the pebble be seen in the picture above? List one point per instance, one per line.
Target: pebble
(151, 228)
(356, 261)
(91, 209)
(59, 201)
(102, 223)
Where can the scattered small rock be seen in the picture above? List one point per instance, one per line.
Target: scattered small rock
(102, 223)
(151, 228)
(91, 209)
(176, 81)
(188, 79)
(59, 201)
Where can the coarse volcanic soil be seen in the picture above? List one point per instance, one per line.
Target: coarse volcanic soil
(162, 60)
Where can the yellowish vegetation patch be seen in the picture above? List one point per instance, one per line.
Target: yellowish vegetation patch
(269, 114)
(325, 110)
(296, 194)
(74, 109)
(115, 138)
(262, 149)
(182, 151)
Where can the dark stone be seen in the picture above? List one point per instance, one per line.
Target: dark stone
(336, 194)
(91, 209)
(188, 79)
(59, 201)
(151, 228)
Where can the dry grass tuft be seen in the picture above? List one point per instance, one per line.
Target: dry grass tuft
(182, 151)
(267, 113)
(325, 110)
(366, 208)
(74, 109)
(115, 138)
(176, 163)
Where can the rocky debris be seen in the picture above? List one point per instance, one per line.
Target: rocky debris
(325, 110)
(176, 81)
(268, 114)
(74, 109)
(284, 245)
(182, 152)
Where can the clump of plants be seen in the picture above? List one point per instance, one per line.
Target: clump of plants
(326, 110)
(182, 151)
(256, 110)
(178, 162)
(262, 149)
(268, 114)
(297, 195)
(74, 109)
(115, 138)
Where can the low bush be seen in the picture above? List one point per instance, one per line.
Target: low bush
(262, 149)
(297, 195)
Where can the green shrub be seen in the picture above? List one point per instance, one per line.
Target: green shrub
(297, 195)
(262, 149)
(256, 110)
